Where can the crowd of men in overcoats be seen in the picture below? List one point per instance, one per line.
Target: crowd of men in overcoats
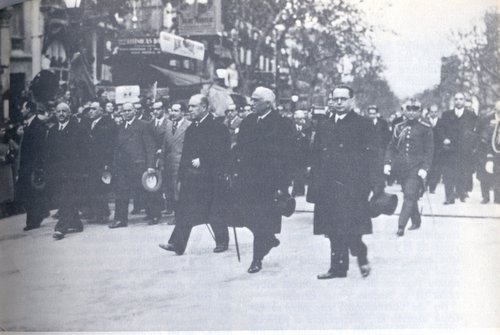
(231, 172)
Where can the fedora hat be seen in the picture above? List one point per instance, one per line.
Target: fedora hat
(383, 203)
(151, 181)
(285, 203)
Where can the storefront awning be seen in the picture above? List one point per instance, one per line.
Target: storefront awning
(179, 78)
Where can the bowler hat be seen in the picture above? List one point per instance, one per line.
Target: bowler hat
(285, 203)
(151, 181)
(383, 203)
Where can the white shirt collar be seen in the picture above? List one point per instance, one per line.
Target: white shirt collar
(160, 120)
(340, 116)
(63, 125)
(459, 111)
(263, 116)
(29, 120)
(203, 118)
(128, 123)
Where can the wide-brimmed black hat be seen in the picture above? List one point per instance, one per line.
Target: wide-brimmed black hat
(151, 181)
(285, 203)
(383, 203)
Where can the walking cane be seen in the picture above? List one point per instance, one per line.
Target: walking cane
(210, 230)
(236, 243)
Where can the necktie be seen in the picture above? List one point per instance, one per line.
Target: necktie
(126, 125)
(60, 127)
(174, 127)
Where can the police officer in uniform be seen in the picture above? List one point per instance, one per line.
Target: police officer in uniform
(409, 156)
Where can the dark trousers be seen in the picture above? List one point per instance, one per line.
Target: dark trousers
(35, 213)
(412, 185)
(434, 177)
(299, 181)
(340, 245)
(129, 182)
(97, 199)
(486, 187)
(181, 232)
(456, 179)
(263, 242)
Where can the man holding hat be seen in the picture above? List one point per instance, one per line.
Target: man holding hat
(133, 156)
(102, 140)
(340, 183)
(409, 157)
(264, 152)
(202, 172)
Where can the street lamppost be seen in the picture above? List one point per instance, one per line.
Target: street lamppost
(277, 29)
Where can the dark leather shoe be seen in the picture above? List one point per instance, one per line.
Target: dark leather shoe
(153, 221)
(365, 270)
(333, 274)
(449, 202)
(485, 201)
(414, 227)
(462, 198)
(117, 224)
(170, 247)
(136, 211)
(220, 248)
(256, 266)
(400, 232)
(58, 235)
(27, 228)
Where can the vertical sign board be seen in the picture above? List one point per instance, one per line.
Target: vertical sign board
(199, 17)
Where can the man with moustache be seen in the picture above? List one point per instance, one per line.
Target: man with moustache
(102, 140)
(202, 171)
(264, 152)
(340, 183)
(64, 166)
(457, 145)
(134, 154)
(34, 136)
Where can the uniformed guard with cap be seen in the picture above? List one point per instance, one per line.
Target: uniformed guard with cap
(409, 157)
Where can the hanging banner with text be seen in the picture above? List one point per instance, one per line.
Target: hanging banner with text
(177, 45)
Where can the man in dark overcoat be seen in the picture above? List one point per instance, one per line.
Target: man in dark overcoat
(34, 136)
(340, 183)
(409, 158)
(134, 154)
(379, 142)
(458, 139)
(64, 164)
(264, 152)
(436, 170)
(102, 136)
(202, 172)
(302, 144)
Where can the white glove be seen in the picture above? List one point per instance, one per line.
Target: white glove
(446, 141)
(387, 169)
(489, 167)
(422, 173)
(196, 162)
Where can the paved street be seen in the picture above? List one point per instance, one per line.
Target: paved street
(445, 275)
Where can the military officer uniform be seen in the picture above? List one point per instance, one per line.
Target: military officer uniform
(409, 151)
